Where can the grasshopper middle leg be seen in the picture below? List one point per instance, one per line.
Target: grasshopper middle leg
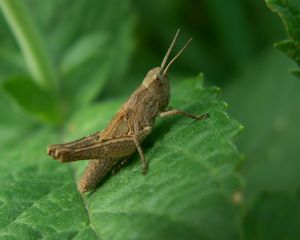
(174, 112)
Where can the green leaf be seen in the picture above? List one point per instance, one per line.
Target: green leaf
(230, 23)
(38, 196)
(289, 12)
(187, 193)
(90, 45)
(13, 123)
(30, 42)
(82, 73)
(266, 100)
(33, 99)
(87, 49)
(283, 209)
(94, 59)
(83, 50)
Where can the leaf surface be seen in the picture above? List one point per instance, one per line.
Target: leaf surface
(186, 194)
(289, 12)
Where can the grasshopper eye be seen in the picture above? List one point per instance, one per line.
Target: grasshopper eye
(156, 77)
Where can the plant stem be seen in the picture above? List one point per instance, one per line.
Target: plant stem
(30, 42)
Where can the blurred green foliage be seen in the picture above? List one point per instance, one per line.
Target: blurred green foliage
(96, 53)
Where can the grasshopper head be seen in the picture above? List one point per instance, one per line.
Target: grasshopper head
(157, 77)
(157, 83)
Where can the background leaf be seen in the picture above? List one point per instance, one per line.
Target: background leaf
(289, 13)
(100, 49)
(74, 28)
(277, 206)
(42, 104)
(268, 97)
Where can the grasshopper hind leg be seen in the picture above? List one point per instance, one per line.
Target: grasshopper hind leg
(95, 173)
(119, 166)
(82, 142)
(99, 169)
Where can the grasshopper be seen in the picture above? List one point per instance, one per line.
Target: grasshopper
(109, 150)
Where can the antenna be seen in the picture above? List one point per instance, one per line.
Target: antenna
(177, 55)
(169, 50)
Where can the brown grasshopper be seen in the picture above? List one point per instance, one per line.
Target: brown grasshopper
(109, 149)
